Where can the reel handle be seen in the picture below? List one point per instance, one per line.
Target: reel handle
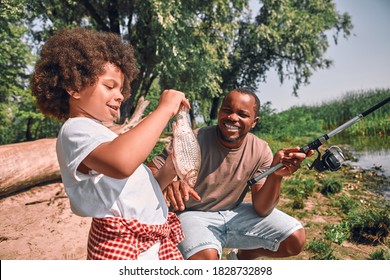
(315, 144)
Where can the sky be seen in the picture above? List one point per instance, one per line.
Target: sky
(360, 62)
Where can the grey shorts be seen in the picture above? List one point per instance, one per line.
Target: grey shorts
(238, 228)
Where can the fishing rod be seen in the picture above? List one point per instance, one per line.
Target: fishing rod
(333, 157)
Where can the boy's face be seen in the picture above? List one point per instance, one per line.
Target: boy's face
(102, 100)
(236, 118)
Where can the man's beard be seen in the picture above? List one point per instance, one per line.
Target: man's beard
(227, 139)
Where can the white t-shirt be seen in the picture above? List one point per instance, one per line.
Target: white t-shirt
(98, 195)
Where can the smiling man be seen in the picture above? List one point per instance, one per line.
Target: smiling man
(213, 214)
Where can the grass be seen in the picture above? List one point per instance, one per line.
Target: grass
(342, 217)
(380, 255)
(322, 250)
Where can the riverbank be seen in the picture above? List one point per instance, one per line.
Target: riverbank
(326, 215)
(37, 224)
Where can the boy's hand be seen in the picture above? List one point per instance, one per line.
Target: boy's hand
(172, 100)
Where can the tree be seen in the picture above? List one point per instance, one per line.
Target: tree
(182, 43)
(16, 105)
(288, 35)
(206, 48)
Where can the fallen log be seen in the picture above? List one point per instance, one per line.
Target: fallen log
(27, 164)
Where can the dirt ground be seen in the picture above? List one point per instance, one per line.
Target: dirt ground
(37, 224)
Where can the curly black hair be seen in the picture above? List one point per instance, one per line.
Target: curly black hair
(74, 58)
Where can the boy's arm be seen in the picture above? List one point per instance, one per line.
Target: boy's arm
(122, 156)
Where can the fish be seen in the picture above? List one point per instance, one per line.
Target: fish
(185, 149)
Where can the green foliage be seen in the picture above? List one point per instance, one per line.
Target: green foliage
(293, 33)
(337, 233)
(322, 249)
(330, 186)
(157, 150)
(17, 109)
(345, 203)
(205, 48)
(300, 186)
(289, 126)
(365, 225)
(369, 224)
(7, 134)
(298, 189)
(202, 48)
(381, 254)
(339, 111)
(301, 125)
(182, 44)
(194, 41)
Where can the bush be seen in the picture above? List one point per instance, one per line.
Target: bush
(380, 255)
(330, 186)
(369, 225)
(337, 233)
(322, 249)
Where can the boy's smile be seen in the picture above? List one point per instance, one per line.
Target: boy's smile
(102, 100)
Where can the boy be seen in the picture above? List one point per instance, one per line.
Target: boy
(83, 77)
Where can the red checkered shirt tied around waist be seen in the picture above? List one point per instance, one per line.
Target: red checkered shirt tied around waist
(116, 238)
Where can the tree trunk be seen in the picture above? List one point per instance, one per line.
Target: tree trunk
(214, 111)
(26, 164)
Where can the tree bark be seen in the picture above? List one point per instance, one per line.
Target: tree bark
(27, 164)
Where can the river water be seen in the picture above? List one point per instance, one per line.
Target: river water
(371, 152)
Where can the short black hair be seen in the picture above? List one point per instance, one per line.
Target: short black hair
(249, 91)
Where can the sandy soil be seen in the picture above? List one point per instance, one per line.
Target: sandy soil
(37, 224)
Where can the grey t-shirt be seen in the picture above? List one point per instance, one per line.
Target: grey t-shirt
(224, 172)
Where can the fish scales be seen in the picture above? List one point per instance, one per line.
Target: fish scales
(186, 150)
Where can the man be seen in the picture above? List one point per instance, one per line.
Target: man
(212, 214)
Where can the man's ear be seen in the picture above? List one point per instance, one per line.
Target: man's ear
(255, 121)
(73, 93)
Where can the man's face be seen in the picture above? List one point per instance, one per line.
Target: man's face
(236, 118)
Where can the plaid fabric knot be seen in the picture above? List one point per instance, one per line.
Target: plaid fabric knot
(117, 238)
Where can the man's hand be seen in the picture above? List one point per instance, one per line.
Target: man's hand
(291, 160)
(177, 193)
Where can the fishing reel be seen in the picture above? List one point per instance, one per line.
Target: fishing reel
(331, 160)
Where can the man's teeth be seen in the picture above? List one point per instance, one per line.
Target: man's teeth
(231, 127)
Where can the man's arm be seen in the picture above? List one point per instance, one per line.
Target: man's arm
(265, 197)
(165, 174)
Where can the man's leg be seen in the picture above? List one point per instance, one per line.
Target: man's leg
(204, 234)
(276, 235)
(291, 246)
(207, 254)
